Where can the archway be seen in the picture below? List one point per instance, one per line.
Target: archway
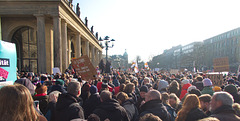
(26, 46)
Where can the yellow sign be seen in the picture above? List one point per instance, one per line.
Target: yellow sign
(221, 64)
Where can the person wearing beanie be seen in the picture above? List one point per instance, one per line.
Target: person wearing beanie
(93, 89)
(42, 97)
(58, 86)
(185, 84)
(207, 83)
(199, 83)
(162, 86)
(92, 102)
(232, 89)
(141, 98)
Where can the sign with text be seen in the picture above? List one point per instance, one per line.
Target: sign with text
(174, 71)
(84, 67)
(217, 79)
(8, 62)
(56, 70)
(221, 64)
(4, 62)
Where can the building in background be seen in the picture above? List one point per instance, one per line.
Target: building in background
(119, 61)
(200, 55)
(47, 33)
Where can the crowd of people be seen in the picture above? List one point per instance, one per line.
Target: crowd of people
(121, 96)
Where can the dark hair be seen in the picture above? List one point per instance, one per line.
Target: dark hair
(205, 98)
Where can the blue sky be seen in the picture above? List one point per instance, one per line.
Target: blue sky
(148, 27)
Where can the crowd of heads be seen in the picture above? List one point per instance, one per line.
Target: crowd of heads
(179, 93)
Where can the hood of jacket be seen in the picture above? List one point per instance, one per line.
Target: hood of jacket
(111, 105)
(65, 100)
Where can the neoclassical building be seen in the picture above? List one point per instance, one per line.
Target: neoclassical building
(47, 33)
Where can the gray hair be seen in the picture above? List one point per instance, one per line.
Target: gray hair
(155, 94)
(105, 95)
(224, 97)
(55, 93)
(73, 87)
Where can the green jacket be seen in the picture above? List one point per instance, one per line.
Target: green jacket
(207, 90)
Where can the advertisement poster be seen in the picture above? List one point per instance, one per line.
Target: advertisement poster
(8, 63)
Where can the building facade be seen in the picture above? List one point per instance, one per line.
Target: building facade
(47, 33)
(201, 54)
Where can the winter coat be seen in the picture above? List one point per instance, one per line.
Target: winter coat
(43, 102)
(225, 113)
(171, 111)
(195, 114)
(131, 109)
(112, 110)
(51, 111)
(68, 108)
(57, 87)
(207, 90)
(91, 103)
(184, 90)
(156, 108)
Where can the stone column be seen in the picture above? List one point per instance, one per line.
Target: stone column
(93, 55)
(100, 55)
(96, 57)
(64, 46)
(41, 43)
(69, 50)
(57, 38)
(78, 45)
(87, 48)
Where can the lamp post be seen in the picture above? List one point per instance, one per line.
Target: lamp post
(107, 42)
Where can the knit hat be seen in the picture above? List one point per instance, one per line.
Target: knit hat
(93, 89)
(216, 88)
(162, 84)
(207, 82)
(144, 88)
(185, 81)
(230, 89)
(60, 82)
(190, 88)
(195, 91)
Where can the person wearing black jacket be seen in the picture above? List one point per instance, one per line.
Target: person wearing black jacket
(154, 105)
(68, 105)
(110, 108)
(92, 102)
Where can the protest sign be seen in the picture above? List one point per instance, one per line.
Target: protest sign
(221, 64)
(56, 70)
(8, 62)
(84, 67)
(174, 71)
(217, 79)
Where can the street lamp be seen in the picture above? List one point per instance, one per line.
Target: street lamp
(107, 42)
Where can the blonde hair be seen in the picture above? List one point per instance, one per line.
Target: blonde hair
(17, 104)
(189, 103)
(122, 96)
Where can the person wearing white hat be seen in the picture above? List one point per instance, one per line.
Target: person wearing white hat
(207, 83)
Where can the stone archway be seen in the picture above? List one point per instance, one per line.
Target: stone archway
(26, 46)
